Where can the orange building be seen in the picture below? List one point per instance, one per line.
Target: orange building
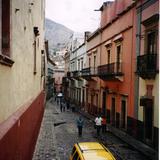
(117, 63)
(122, 68)
(111, 65)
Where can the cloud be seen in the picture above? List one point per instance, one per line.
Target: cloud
(78, 15)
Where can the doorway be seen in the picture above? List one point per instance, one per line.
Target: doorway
(83, 98)
(87, 107)
(104, 104)
(123, 114)
(113, 112)
(148, 122)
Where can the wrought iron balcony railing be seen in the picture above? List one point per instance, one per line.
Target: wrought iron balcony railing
(76, 75)
(65, 81)
(109, 71)
(147, 66)
(68, 74)
(91, 71)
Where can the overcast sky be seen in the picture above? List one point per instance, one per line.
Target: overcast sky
(78, 15)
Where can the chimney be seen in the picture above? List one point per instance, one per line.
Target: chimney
(86, 35)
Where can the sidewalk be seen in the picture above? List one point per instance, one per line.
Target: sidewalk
(139, 146)
(46, 142)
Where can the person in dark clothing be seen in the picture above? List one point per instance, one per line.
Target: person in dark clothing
(80, 125)
(68, 105)
(64, 106)
(103, 124)
(61, 107)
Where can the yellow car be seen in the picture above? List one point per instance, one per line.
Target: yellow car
(90, 151)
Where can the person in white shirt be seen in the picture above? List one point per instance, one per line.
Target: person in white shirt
(98, 122)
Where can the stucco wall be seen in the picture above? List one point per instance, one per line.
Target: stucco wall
(18, 83)
(155, 93)
(93, 42)
(147, 13)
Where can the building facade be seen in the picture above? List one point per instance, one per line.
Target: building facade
(49, 74)
(65, 79)
(22, 94)
(146, 88)
(89, 73)
(58, 77)
(117, 64)
(120, 77)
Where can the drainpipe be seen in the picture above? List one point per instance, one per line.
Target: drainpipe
(138, 48)
(100, 98)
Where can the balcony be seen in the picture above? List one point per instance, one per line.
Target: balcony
(76, 75)
(88, 73)
(112, 71)
(146, 101)
(69, 75)
(147, 66)
(50, 80)
(65, 81)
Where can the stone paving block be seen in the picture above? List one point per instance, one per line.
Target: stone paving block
(55, 142)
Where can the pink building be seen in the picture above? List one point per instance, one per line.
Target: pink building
(58, 75)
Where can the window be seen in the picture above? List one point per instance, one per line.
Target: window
(42, 63)
(82, 63)
(36, 33)
(94, 61)
(89, 62)
(73, 150)
(108, 56)
(5, 36)
(94, 64)
(6, 27)
(75, 157)
(151, 34)
(78, 64)
(118, 60)
(151, 42)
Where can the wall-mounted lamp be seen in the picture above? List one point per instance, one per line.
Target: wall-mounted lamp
(16, 10)
(36, 31)
(31, 4)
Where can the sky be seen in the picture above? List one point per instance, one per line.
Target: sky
(77, 15)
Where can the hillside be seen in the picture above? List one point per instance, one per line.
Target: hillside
(57, 35)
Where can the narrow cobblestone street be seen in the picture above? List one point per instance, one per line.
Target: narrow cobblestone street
(59, 133)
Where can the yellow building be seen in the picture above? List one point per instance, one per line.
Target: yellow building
(21, 76)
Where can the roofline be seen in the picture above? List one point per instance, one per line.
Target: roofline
(101, 29)
(94, 34)
(47, 52)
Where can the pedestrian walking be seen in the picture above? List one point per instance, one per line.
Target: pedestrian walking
(98, 121)
(64, 106)
(61, 107)
(68, 105)
(80, 125)
(55, 98)
(103, 124)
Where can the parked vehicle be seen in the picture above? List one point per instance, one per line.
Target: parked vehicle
(90, 151)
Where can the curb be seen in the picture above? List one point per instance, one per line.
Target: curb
(144, 150)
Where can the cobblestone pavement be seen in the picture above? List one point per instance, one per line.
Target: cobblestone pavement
(59, 133)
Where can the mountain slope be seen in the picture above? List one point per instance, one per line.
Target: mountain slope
(56, 34)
